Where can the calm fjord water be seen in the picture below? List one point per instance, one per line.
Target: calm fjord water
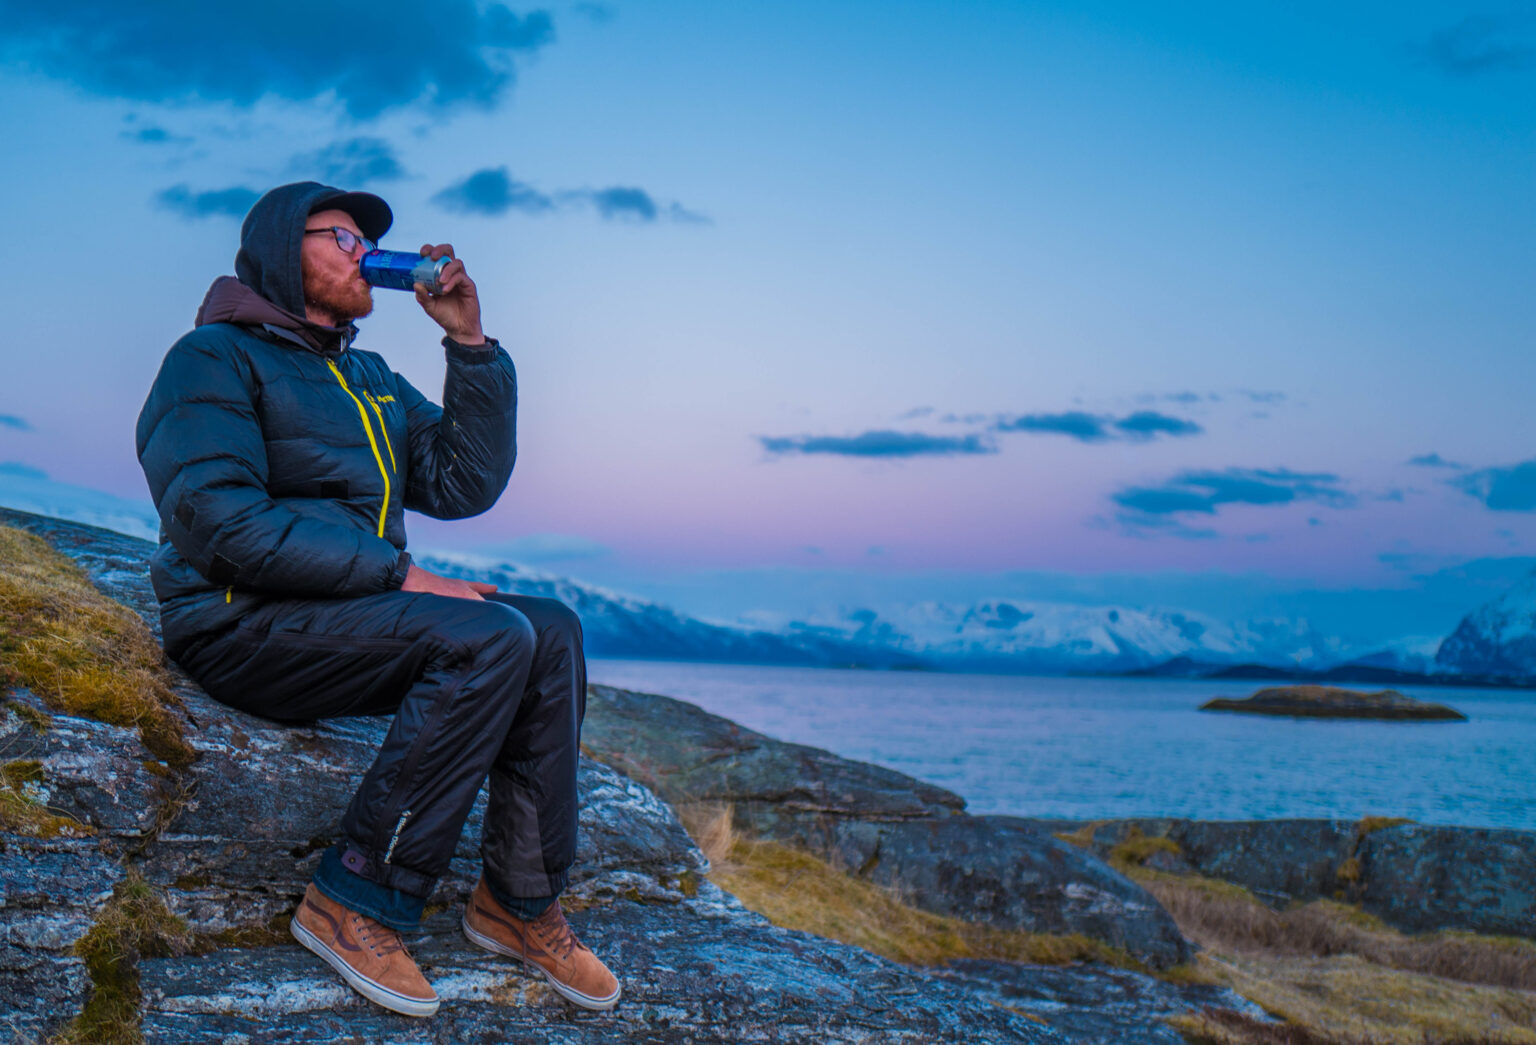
(1087, 748)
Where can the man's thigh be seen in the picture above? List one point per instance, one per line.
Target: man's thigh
(299, 659)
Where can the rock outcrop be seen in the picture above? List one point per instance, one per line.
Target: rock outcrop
(886, 827)
(1333, 702)
(228, 844)
(1414, 877)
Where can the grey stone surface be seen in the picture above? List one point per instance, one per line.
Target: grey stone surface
(1414, 877)
(698, 969)
(1094, 1005)
(889, 828)
(1422, 878)
(1278, 860)
(50, 891)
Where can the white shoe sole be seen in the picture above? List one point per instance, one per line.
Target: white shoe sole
(374, 992)
(586, 1001)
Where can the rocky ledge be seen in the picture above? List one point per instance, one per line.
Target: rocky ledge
(1333, 702)
(1415, 877)
(227, 844)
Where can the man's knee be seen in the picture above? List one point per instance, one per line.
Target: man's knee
(559, 624)
(486, 632)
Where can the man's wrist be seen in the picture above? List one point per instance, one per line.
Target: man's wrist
(485, 350)
(468, 340)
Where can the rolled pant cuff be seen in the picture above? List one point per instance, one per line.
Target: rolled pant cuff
(526, 908)
(390, 907)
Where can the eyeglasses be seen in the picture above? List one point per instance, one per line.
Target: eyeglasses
(346, 239)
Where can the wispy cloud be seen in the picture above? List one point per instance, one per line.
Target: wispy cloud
(880, 443)
(230, 203)
(21, 471)
(1077, 424)
(599, 14)
(350, 163)
(627, 203)
(1511, 489)
(1480, 44)
(21, 424)
(491, 192)
(1433, 461)
(1144, 424)
(154, 135)
(494, 191)
(391, 57)
(1205, 492)
(1096, 428)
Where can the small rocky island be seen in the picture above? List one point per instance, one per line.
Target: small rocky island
(1333, 702)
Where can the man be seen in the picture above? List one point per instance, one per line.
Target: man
(281, 460)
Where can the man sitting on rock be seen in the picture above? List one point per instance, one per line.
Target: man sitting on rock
(281, 460)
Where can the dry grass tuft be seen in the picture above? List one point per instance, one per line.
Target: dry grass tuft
(134, 924)
(1370, 824)
(796, 890)
(1082, 837)
(1348, 999)
(1137, 848)
(22, 809)
(1230, 920)
(713, 830)
(79, 651)
(1228, 1027)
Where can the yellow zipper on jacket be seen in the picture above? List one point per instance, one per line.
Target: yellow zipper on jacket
(362, 412)
(393, 467)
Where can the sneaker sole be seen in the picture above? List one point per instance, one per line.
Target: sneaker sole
(374, 992)
(571, 994)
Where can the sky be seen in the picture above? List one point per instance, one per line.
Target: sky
(823, 305)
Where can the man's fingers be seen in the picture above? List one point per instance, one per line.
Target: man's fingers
(482, 586)
(439, 250)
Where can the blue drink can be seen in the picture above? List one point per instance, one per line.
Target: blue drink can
(402, 270)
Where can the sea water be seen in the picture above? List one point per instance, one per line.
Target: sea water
(1091, 748)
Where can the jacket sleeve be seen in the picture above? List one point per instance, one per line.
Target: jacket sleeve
(201, 447)
(461, 454)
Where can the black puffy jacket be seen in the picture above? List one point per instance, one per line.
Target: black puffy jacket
(281, 459)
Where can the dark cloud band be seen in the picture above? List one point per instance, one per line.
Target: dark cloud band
(228, 203)
(1205, 492)
(1511, 489)
(1094, 428)
(390, 56)
(351, 163)
(493, 191)
(880, 443)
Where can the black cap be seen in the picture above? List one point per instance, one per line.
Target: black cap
(371, 213)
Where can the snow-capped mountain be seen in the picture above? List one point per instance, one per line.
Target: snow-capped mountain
(1046, 637)
(1498, 638)
(618, 625)
(993, 635)
(30, 491)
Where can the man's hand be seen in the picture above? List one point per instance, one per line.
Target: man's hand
(457, 307)
(418, 579)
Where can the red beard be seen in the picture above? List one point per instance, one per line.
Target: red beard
(346, 297)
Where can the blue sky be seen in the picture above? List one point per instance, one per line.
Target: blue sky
(816, 305)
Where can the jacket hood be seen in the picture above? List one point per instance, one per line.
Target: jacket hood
(230, 301)
(273, 231)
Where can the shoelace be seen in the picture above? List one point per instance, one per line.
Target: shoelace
(364, 929)
(555, 932)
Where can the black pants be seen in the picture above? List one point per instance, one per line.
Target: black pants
(495, 687)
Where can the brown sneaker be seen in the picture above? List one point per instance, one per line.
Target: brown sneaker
(369, 956)
(546, 945)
